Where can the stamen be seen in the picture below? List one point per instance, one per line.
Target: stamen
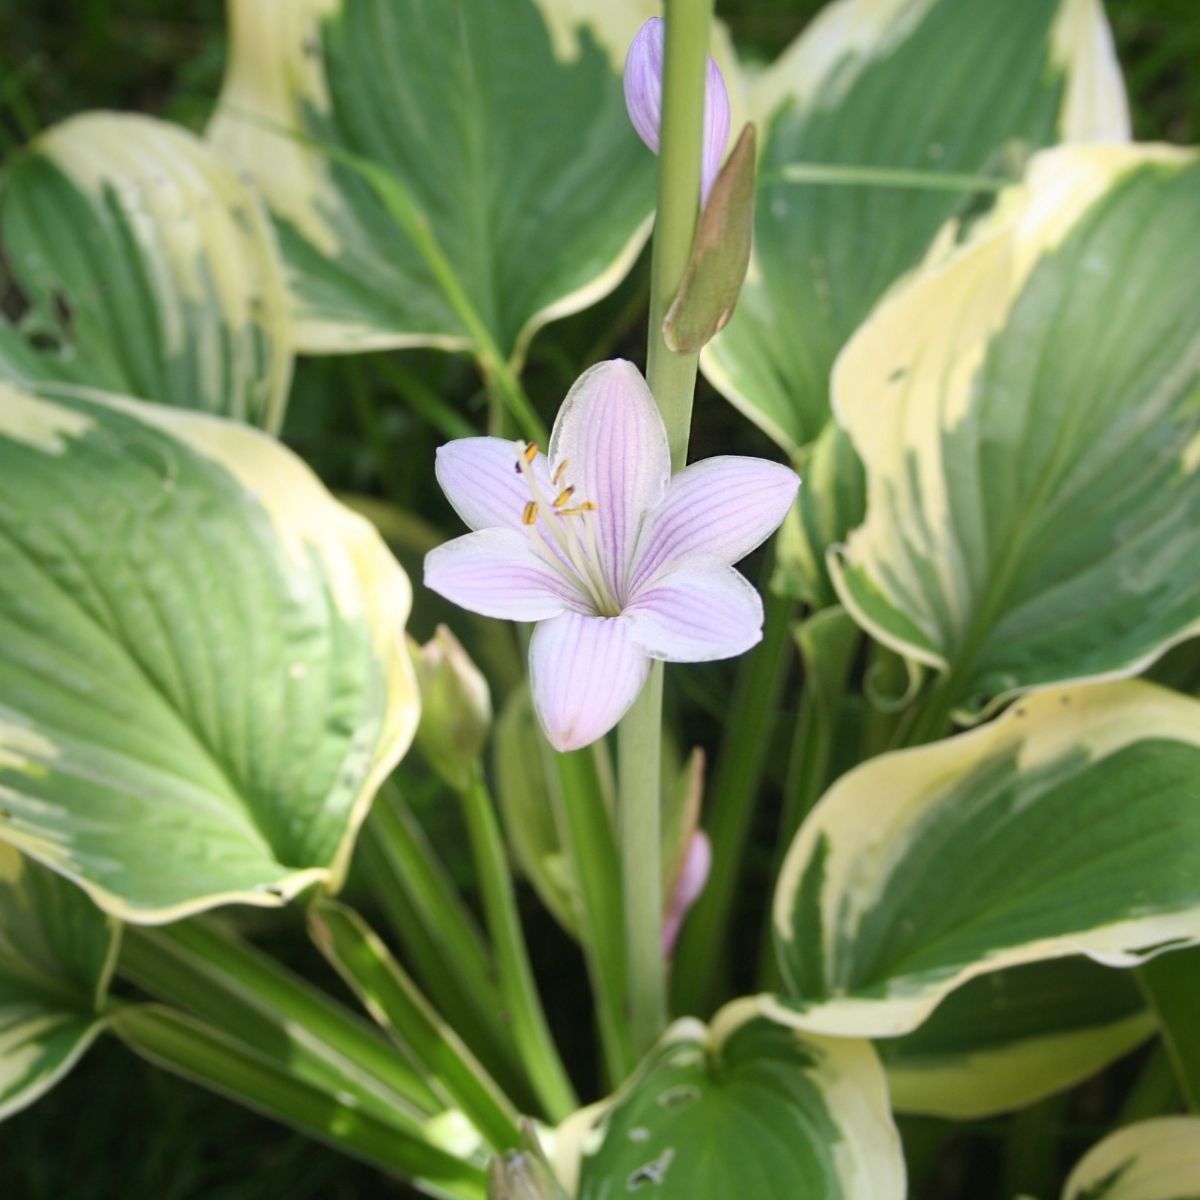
(578, 556)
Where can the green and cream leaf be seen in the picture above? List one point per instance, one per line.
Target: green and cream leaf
(148, 268)
(1070, 825)
(871, 142)
(56, 958)
(1008, 1039)
(501, 121)
(204, 679)
(744, 1107)
(1152, 1160)
(1028, 413)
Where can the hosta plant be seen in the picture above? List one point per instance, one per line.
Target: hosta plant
(916, 842)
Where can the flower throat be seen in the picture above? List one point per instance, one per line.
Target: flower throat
(571, 525)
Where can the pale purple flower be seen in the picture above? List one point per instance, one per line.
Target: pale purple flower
(617, 561)
(697, 864)
(643, 99)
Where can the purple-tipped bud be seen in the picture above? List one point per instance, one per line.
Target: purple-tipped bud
(696, 865)
(643, 99)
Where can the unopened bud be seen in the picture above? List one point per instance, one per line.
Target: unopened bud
(643, 99)
(720, 255)
(456, 707)
(524, 1174)
(688, 887)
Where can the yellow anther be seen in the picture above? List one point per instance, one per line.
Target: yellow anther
(589, 506)
(530, 452)
(564, 496)
(530, 515)
(559, 472)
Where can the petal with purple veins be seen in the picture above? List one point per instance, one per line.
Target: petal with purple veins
(496, 572)
(702, 610)
(611, 437)
(480, 479)
(721, 507)
(584, 672)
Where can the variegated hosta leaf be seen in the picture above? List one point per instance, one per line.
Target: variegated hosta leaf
(502, 120)
(203, 678)
(149, 268)
(1152, 1160)
(929, 88)
(831, 503)
(1071, 825)
(56, 956)
(1028, 416)
(745, 1107)
(1006, 1040)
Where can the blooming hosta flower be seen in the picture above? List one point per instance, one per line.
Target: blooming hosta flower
(617, 561)
(643, 99)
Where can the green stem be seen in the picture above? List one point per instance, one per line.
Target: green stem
(531, 1032)
(639, 838)
(1031, 1148)
(585, 829)
(236, 988)
(672, 379)
(203, 1055)
(808, 767)
(386, 462)
(422, 399)
(732, 797)
(1171, 983)
(892, 177)
(393, 1000)
(931, 719)
(403, 207)
(1155, 1092)
(438, 934)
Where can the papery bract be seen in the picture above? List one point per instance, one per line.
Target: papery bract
(643, 99)
(618, 561)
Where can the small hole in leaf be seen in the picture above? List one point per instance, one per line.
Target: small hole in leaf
(653, 1173)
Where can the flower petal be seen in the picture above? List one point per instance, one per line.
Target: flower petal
(480, 480)
(700, 611)
(584, 672)
(612, 438)
(722, 507)
(497, 573)
(716, 129)
(643, 99)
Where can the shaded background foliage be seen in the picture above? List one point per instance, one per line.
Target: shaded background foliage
(118, 1129)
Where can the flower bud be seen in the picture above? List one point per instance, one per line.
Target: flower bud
(643, 99)
(524, 1173)
(688, 887)
(456, 708)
